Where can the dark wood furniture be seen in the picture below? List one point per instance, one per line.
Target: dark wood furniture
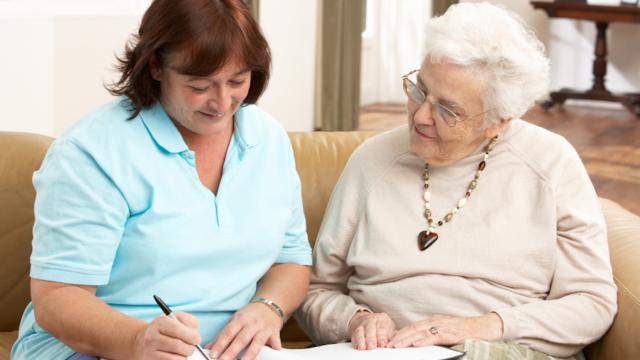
(602, 16)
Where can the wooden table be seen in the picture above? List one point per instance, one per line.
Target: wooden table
(602, 16)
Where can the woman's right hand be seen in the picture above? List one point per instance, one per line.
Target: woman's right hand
(371, 330)
(168, 339)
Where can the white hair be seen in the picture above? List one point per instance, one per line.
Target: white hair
(499, 44)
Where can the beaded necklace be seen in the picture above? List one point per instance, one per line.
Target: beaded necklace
(428, 237)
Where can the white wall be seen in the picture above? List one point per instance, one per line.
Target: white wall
(48, 8)
(57, 55)
(84, 56)
(26, 68)
(55, 67)
(290, 27)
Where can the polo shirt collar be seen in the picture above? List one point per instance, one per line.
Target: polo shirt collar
(162, 129)
(246, 131)
(167, 136)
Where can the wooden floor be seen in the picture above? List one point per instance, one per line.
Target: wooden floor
(608, 141)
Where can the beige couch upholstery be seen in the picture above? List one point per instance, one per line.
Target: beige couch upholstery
(320, 158)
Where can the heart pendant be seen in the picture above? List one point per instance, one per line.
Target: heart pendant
(426, 239)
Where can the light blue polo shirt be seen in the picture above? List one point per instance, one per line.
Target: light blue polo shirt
(119, 205)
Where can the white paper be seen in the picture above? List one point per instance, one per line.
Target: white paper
(346, 351)
(604, 2)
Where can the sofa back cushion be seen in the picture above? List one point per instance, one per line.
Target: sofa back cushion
(20, 155)
(320, 158)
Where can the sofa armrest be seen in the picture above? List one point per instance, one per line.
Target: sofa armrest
(622, 340)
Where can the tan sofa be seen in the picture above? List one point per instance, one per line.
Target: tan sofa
(320, 158)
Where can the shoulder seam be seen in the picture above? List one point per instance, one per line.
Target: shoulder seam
(528, 161)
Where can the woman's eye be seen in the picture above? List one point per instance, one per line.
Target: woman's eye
(198, 89)
(236, 82)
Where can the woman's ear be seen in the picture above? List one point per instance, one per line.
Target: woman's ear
(156, 69)
(495, 129)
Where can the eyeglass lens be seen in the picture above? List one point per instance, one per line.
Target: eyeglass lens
(417, 95)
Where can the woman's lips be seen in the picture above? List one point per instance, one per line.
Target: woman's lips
(423, 134)
(211, 115)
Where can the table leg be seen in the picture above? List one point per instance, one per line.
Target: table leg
(600, 60)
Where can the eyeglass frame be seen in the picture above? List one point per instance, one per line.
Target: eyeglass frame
(441, 110)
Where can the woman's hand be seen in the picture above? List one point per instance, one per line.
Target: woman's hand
(371, 330)
(448, 330)
(251, 327)
(166, 338)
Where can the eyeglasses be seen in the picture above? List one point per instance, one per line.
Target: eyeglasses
(443, 113)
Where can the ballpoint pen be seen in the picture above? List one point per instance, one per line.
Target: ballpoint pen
(167, 311)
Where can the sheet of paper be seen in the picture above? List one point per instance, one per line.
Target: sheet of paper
(604, 2)
(345, 351)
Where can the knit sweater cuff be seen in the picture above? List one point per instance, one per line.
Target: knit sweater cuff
(510, 324)
(347, 313)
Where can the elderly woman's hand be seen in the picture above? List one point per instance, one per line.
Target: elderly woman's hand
(371, 330)
(251, 328)
(448, 330)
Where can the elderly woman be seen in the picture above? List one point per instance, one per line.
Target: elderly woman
(469, 226)
(179, 187)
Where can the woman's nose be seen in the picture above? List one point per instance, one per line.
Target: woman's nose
(221, 99)
(424, 114)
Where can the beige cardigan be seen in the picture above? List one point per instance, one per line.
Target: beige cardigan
(530, 244)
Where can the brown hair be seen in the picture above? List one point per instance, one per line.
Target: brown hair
(206, 33)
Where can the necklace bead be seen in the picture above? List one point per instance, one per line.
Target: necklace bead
(428, 237)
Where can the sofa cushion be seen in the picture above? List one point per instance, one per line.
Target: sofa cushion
(320, 158)
(6, 341)
(622, 341)
(20, 155)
